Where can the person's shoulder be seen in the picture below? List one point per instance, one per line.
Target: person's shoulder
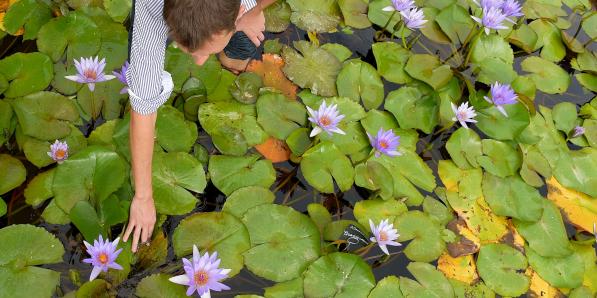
(155, 7)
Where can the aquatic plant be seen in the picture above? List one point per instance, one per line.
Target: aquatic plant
(103, 256)
(202, 274)
(90, 71)
(384, 234)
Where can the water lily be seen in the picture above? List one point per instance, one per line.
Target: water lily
(386, 142)
(413, 18)
(326, 119)
(400, 5)
(511, 8)
(492, 19)
(464, 114)
(202, 274)
(578, 131)
(103, 254)
(384, 235)
(121, 76)
(489, 3)
(58, 151)
(502, 95)
(91, 71)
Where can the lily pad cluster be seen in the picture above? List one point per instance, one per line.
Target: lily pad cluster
(504, 205)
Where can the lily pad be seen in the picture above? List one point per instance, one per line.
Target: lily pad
(389, 286)
(499, 127)
(491, 46)
(430, 282)
(104, 100)
(27, 73)
(76, 33)
(561, 272)
(341, 52)
(378, 210)
(427, 244)
(499, 158)
(246, 87)
(374, 176)
(282, 243)
(428, 68)
(549, 77)
(355, 13)
(158, 286)
(465, 147)
(414, 107)
(229, 173)
(512, 197)
(312, 67)
(232, 126)
(564, 116)
(456, 22)
(549, 39)
(173, 132)
(241, 200)
(45, 115)
(118, 9)
(277, 17)
(280, 116)
(13, 173)
(391, 59)
(324, 164)
(338, 275)
(213, 231)
(28, 14)
(498, 266)
(174, 175)
(315, 15)
(287, 289)
(577, 170)
(358, 81)
(92, 174)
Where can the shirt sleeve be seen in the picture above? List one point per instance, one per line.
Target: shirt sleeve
(249, 4)
(150, 85)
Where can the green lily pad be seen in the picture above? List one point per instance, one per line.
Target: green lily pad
(549, 77)
(560, 272)
(283, 243)
(378, 210)
(386, 19)
(114, 43)
(299, 141)
(547, 236)
(352, 111)
(464, 290)
(358, 81)
(243, 199)
(499, 265)
(102, 135)
(493, 70)
(432, 30)
(229, 173)
(428, 68)
(213, 231)
(320, 215)
(313, 68)
(430, 282)
(564, 116)
(324, 164)
(13, 173)
(118, 9)
(84, 217)
(288, 289)
(158, 286)
(7, 122)
(550, 40)
(465, 147)
(499, 158)
(3, 207)
(456, 22)
(28, 14)
(355, 13)
(427, 244)
(512, 197)
(92, 174)
(45, 115)
(581, 292)
(391, 59)
(174, 174)
(577, 170)
(232, 126)
(76, 33)
(374, 176)
(315, 15)
(414, 107)
(104, 100)
(335, 229)
(524, 37)
(97, 288)
(54, 215)
(536, 9)
(341, 52)
(338, 275)
(354, 141)
(280, 116)
(389, 286)
(491, 46)
(587, 80)
(246, 87)
(27, 73)
(173, 132)
(497, 126)
(277, 17)
(23, 247)
(437, 210)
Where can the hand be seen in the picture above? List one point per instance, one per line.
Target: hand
(141, 221)
(253, 24)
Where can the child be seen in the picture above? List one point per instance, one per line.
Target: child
(232, 28)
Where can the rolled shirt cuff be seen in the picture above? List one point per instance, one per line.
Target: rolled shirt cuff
(146, 106)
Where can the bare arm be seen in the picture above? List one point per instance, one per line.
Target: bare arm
(263, 4)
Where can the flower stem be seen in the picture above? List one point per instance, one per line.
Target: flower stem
(389, 20)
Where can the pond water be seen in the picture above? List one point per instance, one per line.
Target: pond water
(291, 188)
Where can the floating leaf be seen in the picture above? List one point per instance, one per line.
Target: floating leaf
(564, 116)
(174, 175)
(385, 19)
(118, 9)
(389, 286)
(549, 39)
(320, 215)
(549, 77)
(512, 197)
(498, 265)
(355, 13)
(414, 107)
(427, 244)
(456, 22)
(374, 176)
(465, 290)
(28, 14)
(277, 17)
(312, 68)
(27, 73)
(315, 15)
(428, 68)
(499, 158)
(173, 132)
(3, 207)
(213, 231)
(270, 70)
(324, 164)
(338, 275)
(84, 217)
(562, 272)
(378, 210)
(246, 87)
(430, 282)
(104, 100)
(13, 173)
(391, 59)
(358, 81)
(580, 209)
(280, 116)
(577, 170)
(524, 37)
(274, 150)
(291, 288)
(229, 173)
(465, 147)
(341, 52)
(282, 243)
(461, 268)
(75, 33)
(243, 199)
(158, 286)
(494, 124)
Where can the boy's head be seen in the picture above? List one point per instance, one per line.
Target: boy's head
(202, 27)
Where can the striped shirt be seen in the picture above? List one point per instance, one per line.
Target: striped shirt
(150, 85)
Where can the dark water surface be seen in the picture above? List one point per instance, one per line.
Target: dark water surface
(291, 188)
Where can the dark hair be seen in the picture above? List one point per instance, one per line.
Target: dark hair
(193, 22)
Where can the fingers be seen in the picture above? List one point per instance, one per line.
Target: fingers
(260, 36)
(128, 231)
(136, 237)
(254, 39)
(147, 230)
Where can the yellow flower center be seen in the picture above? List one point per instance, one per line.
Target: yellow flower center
(201, 278)
(383, 144)
(90, 74)
(383, 236)
(325, 121)
(60, 154)
(103, 258)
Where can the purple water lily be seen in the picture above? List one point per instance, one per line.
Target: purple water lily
(384, 235)
(413, 18)
(90, 71)
(202, 274)
(121, 76)
(489, 3)
(578, 131)
(103, 256)
(400, 5)
(502, 95)
(464, 114)
(58, 151)
(325, 119)
(386, 142)
(493, 18)
(511, 8)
